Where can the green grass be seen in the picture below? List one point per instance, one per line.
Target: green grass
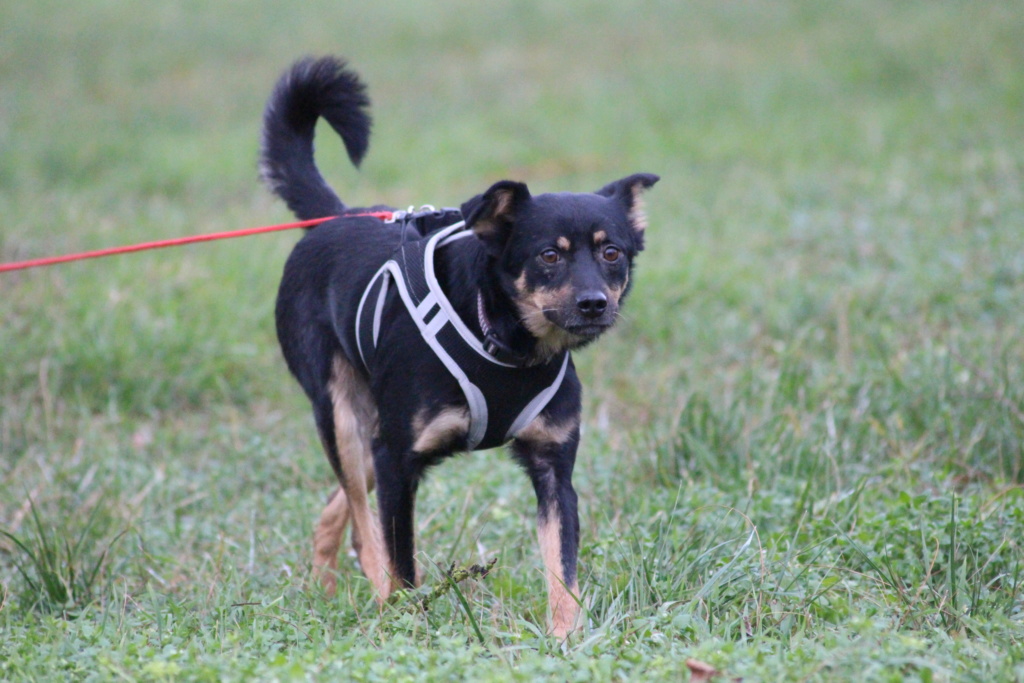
(803, 455)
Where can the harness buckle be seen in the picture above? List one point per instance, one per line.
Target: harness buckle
(413, 213)
(501, 351)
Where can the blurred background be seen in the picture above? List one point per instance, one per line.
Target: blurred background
(856, 161)
(828, 312)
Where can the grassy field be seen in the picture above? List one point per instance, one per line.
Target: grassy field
(803, 455)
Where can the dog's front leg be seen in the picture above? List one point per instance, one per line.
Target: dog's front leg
(396, 499)
(549, 462)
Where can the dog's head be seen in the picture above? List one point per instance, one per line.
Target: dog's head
(564, 259)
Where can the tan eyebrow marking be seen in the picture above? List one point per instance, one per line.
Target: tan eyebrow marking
(600, 236)
(563, 243)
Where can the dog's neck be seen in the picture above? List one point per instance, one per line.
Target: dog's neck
(467, 276)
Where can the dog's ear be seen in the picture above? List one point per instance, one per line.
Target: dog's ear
(629, 191)
(491, 215)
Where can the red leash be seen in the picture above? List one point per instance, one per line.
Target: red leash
(19, 265)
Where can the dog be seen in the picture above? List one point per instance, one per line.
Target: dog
(439, 332)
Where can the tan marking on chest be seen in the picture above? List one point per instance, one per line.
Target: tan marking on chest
(542, 431)
(439, 431)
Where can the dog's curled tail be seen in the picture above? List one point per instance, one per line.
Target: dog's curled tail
(311, 88)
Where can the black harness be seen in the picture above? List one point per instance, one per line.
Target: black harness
(503, 397)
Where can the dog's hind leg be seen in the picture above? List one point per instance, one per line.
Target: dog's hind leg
(327, 540)
(354, 418)
(334, 518)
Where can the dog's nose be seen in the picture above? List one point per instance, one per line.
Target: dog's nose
(592, 304)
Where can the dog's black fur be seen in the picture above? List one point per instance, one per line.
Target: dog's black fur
(552, 270)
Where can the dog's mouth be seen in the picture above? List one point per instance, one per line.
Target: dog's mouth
(557, 329)
(587, 330)
(579, 326)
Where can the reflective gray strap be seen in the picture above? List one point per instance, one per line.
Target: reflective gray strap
(381, 272)
(428, 330)
(444, 237)
(457, 235)
(539, 402)
(424, 307)
(380, 307)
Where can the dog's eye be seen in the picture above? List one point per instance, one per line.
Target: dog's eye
(550, 256)
(611, 253)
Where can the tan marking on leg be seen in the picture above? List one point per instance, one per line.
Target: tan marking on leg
(542, 431)
(599, 237)
(563, 599)
(563, 243)
(355, 420)
(327, 541)
(440, 430)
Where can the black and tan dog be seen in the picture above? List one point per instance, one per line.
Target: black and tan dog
(439, 333)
